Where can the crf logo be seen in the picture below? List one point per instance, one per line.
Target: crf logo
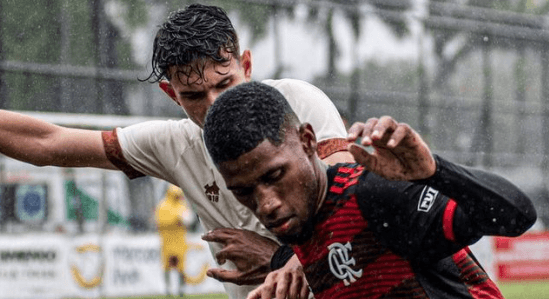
(427, 199)
(341, 262)
(212, 192)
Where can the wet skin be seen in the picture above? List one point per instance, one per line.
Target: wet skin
(195, 93)
(280, 184)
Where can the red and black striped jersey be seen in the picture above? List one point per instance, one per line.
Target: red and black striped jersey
(375, 238)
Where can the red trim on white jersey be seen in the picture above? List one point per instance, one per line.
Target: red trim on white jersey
(115, 155)
(327, 147)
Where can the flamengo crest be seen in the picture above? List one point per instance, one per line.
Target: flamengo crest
(341, 262)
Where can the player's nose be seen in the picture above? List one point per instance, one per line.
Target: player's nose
(267, 202)
(211, 96)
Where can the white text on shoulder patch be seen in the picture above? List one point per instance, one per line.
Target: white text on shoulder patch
(427, 199)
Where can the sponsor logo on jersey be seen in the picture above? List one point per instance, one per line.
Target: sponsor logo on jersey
(427, 199)
(340, 261)
(212, 192)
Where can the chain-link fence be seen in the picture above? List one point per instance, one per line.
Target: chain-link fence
(472, 79)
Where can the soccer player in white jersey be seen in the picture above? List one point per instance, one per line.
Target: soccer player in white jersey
(196, 56)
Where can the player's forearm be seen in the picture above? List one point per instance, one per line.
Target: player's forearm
(496, 206)
(41, 143)
(23, 137)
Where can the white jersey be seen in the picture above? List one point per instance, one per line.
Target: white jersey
(174, 151)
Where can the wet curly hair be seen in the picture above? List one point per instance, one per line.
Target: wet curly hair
(192, 35)
(244, 116)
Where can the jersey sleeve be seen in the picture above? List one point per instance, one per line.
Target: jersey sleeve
(430, 219)
(313, 106)
(491, 204)
(407, 218)
(114, 153)
(151, 148)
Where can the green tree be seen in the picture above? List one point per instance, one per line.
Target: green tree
(258, 16)
(355, 11)
(486, 36)
(42, 40)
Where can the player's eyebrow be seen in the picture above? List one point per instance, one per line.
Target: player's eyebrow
(272, 173)
(261, 178)
(224, 81)
(188, 94)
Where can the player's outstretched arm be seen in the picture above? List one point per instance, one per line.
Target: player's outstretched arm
(494, 205)
(398, 152)
(41, 143)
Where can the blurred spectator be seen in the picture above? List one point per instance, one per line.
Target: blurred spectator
(172, 217)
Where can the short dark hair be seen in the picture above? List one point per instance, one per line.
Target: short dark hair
(198, 32)
(244, 116)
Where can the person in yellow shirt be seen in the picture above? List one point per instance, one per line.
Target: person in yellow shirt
(172, 217)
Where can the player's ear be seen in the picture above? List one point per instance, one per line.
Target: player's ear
(308, 138)
(246, 63)
(167, 88)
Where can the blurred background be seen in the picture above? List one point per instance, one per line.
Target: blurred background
(471, 76)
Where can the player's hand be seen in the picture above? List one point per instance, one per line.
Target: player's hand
(287, 282)
(250, 252)
(398, 152)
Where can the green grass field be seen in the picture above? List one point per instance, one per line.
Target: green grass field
(525, 289)
(514, 290)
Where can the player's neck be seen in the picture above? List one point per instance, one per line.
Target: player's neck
(322, 184)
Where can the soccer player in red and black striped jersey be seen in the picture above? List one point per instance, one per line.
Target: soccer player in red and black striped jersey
(395, 225)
